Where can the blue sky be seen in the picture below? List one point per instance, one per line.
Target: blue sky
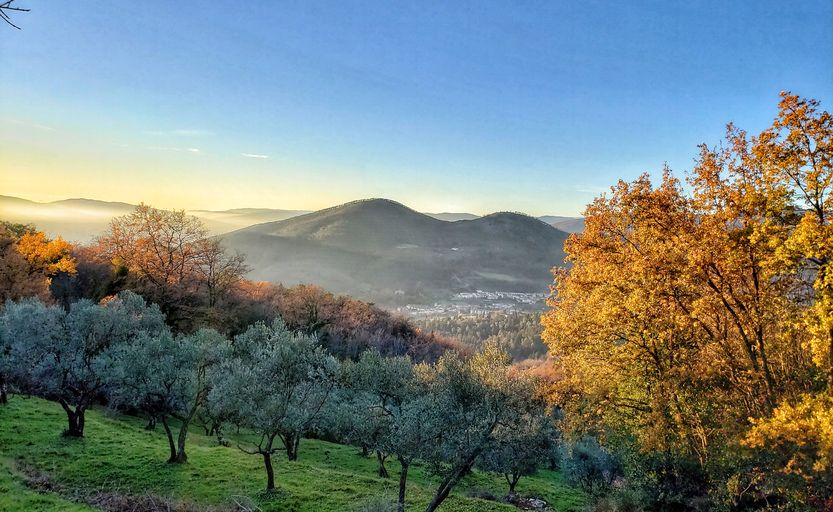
(446, 106)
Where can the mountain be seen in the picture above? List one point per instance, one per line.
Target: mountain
(379, 249)
(453, 217)
(566, 224)
(73, 219)
(81, 220)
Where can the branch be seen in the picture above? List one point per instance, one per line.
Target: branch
(7, 6)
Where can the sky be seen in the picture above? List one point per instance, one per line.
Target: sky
(478, 106)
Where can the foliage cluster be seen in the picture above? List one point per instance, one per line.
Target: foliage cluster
(277, 386)
(694, 330)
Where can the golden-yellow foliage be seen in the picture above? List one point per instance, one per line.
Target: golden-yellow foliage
(691, 318)
(804, 430)
(47, 256)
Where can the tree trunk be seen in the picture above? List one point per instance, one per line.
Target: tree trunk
(380, 458)
(291, 442)
(75, 420)
(4, 398)
(170, 435)
(403, 478)
(451, 480)
(270, 473)
(151, 422)
(181, 456)
(513, 481)
(295, 448)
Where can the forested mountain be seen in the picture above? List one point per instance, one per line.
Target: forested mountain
(381, 250)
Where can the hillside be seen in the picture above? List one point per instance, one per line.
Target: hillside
(378, 248)
(118, 460)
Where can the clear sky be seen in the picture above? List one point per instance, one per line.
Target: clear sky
(444, 106)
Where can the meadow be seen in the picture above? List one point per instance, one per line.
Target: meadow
(42, 471)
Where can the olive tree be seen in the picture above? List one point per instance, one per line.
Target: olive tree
(386, 409)
(415, 426)
(24, 324)
(524, 445)
(275, 383)
(477, 398)
(6, 366)
(168, 376)
(68, 356)
(378, 387)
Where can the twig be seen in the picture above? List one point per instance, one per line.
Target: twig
(7, 6)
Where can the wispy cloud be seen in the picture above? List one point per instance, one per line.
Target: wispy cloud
(184, 150)
(254, 155)
(181, 132)
(30, 124)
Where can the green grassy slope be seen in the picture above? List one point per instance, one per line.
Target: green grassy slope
(118, 454)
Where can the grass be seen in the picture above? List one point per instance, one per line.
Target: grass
(118, 454)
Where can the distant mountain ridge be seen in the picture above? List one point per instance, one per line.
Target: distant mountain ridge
(375, 249)
(80, 219)
(380, 249)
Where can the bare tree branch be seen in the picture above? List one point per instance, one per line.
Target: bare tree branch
(7, 6)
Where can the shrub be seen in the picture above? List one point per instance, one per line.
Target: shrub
(377, 505)
(589, 465)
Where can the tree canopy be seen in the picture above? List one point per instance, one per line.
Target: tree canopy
(697, 318)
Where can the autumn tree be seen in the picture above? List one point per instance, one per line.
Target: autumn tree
(345, 326)
(172, 261)
(29, 261)
(688, 311)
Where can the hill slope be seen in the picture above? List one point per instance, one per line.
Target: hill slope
(375, 248)
(119, 457)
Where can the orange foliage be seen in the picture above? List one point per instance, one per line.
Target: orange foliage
(47, 256)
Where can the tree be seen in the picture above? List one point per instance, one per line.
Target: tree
(219, 271)
(380, 386)
(168, 376)
(797, 153)
(477, 398)
(345, 326)
(526, 446)
(276, 383)
(690, 315)
(67, 356)
(172, 261)
(387, 409)
(29, 261)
